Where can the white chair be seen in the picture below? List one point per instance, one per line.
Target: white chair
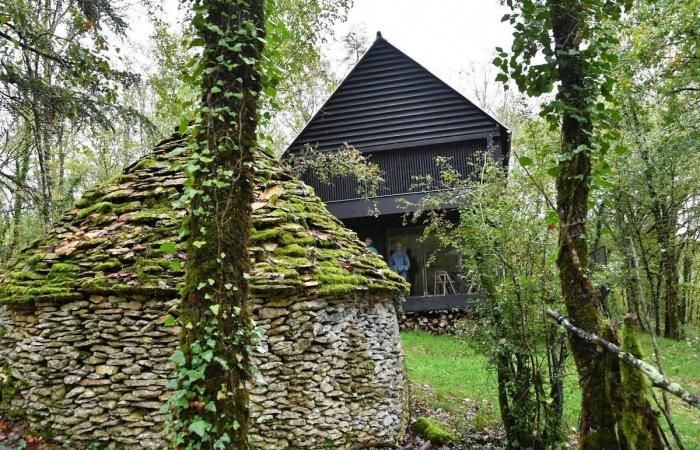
(442, 281)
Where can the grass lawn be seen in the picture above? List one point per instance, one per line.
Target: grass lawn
(461, 379)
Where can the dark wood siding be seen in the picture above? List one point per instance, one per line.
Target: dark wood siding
(401, 170)
(389, 101)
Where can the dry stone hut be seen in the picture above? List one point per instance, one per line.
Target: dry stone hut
(85, 352)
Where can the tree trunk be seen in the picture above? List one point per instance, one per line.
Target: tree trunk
(665, 224)
(687, 280)
(216, 290)
(598, 425)
(22, 170)
(669, 259)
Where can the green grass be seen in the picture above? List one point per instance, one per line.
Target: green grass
(461, 379)
(457, 373)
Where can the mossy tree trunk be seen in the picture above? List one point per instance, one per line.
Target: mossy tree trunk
(214, 305)
(639, 420)
(598, 421)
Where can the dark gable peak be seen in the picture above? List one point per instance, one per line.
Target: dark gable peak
(390, 101)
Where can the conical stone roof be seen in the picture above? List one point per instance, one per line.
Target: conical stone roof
(110, 241)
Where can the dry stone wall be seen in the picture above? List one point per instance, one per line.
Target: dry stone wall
(96, 369)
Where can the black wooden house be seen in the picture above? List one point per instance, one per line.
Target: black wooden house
(404, 117)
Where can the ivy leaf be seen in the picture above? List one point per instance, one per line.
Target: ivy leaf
(199, 244)
(222, 442)
(207, 355)
(215, 309)
(178, 358)
(199, 427)
(525, 161)
(222, 362)
(170, 321)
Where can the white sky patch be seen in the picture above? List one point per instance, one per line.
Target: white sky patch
(446, 36)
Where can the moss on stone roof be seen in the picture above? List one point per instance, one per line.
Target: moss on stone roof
(110, 241)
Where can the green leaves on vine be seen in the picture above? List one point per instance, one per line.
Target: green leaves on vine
(209, 404)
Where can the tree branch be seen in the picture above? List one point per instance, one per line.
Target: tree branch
(656, 378)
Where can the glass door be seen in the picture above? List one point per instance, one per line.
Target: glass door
(409, 240)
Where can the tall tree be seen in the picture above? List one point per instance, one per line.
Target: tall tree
(57, 79)
(214, 366)
(577, 41)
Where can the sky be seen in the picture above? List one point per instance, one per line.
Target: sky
(445, 36)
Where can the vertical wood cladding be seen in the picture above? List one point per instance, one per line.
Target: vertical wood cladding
(404, 171)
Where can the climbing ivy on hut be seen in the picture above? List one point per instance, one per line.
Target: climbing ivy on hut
(210, 405)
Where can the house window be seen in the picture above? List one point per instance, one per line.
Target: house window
(433, 271)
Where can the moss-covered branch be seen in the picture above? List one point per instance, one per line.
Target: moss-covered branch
(655, 377)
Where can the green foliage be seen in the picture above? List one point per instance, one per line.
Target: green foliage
(297, 78)
(10, 387)
(210, 405)
(329, 167)
(507, 246)
(462, 380)
(60, 86)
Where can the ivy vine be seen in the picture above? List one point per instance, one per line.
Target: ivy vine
(209, 406)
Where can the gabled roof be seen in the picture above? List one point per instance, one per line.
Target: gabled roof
(110, 241)
(387, 101)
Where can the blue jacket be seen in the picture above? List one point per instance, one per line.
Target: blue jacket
(400, 262)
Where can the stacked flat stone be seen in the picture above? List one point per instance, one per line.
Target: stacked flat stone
(85, 352)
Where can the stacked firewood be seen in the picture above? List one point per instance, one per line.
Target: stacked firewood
(436, 322)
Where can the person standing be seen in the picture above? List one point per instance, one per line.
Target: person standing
(369, 242)
(399, 261)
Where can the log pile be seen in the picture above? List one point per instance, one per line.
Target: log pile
(436, 322)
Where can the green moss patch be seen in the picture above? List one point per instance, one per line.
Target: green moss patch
(100, 207)
(435, 432)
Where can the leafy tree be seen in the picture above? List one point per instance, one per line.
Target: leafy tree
(507, 244)
(55, 72)
(211, 403)
(660, 96)
(576, 41)
(301, 79)
(355, 44)
(59, 87)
